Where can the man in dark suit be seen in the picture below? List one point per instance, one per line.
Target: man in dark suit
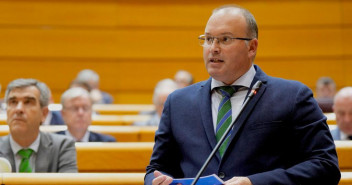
(27, 105)
(77, 114)
(281, 137)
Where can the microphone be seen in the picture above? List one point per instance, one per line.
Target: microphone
(5, 166)
(253, 92)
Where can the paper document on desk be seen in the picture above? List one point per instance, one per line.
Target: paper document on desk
(206, 180)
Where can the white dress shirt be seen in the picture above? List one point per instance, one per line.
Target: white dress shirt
(237, 98)
(16, 147)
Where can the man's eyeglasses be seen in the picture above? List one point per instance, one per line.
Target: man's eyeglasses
(206, 41)
(75, 109)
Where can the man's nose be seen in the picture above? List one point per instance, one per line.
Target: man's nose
(19, 106)
(215, 46)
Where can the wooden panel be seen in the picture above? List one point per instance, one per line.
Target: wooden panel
(72, 178)
(120, 133)
(136, 86)
(99, 43)
(113, 157)
(174, 13)
(346, 11)
(168, 44)
(346, 44)
(129, 42)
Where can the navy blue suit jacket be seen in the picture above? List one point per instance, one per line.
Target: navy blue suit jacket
(95, 137)
(56, 118)
(281, 137)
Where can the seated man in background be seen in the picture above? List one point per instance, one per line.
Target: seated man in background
(343, 110)
(161, 91)
(26, 148)
(91, 78)
(77, 114)
(183, 78)
(54, 116)
(325, 91)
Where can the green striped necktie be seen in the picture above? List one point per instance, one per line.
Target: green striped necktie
(224, 118)
(25, 165)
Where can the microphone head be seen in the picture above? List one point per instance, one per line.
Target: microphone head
(5, 166)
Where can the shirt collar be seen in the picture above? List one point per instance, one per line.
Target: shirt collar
(16, 147)
(245, 80)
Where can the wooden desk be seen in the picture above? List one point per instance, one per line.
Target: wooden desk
(72, 178)
(331, 118)
(105, 119)
(94, 178)
(122, 109)
(113, 157)
(344, 152)
(115, 109)
(121, 133)
(346, 178)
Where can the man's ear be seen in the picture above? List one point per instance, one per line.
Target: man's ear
(45, 111)
(253, 45)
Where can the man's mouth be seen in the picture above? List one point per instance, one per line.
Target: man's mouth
(215, 60)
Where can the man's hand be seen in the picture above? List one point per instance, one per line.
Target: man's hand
(238, 181)
(161, 179)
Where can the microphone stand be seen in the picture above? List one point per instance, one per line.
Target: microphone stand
(251, 94)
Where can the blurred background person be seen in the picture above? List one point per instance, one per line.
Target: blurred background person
(161, 91)
(77, 114)
(28, 149)
(2, 104)
(183, 78)
(54, 116)
(343, 110)
(84, 85)
(325, 91)
(92, 78)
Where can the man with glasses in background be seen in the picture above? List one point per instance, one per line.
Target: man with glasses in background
(281, 137)
(77, 114)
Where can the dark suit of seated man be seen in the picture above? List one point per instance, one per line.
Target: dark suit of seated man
(77, 114)
(26, 148)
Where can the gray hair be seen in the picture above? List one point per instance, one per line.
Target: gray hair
(185, 73)
(22, 83)
(344, 92)
(87, 75)
(252, 28)
(74, 92)
(164, 86)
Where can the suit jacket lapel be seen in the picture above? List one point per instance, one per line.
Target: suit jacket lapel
(206, 114)
(42, 160)
(260, 75)
(7, 152)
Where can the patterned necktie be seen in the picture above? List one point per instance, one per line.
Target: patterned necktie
(25, 154)
(224, 115)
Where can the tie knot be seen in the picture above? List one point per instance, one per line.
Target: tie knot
(25, 153)
(228, 91)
